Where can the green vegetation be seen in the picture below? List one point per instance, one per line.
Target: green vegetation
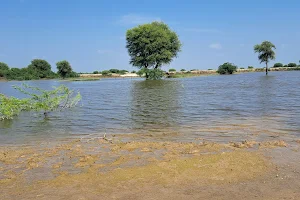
(242, 68)
(155, 74)
(106, 73)
(172, 70)
(276, 65)
(209, 69)
(265, 52)
(227, 68)
(150, 46)
(39, 100)
(64, 69)
(292, 65)
(96, 72)
(182, 70)
(250, 67)
(133, 71)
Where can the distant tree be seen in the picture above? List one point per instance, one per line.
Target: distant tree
(105, 72)
(41, 67)
(276, 65)
(64, 68)
(3, 69)
(95, 72)
(250, 67)
(172, 70)
(265, 52)
(152, 45)
(182, 70)
(242, 68)
(292, 65)
(209, 69)
(227, 68)
(133, 71)
(116, 71)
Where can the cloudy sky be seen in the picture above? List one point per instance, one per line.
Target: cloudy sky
(90, 34)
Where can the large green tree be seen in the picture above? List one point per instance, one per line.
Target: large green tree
(152, 45)
(41, 67)
(3, 69)
(64, 68)
(265, 52)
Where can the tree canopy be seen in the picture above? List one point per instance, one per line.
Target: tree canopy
(64, 68)
(227, 68)
(152, 45)
(40, 67)
(276, 65)
(265, 52)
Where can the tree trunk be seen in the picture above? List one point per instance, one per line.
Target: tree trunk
(266, 68)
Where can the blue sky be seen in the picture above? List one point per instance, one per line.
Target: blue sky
(90, 34)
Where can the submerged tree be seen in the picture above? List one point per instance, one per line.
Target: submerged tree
(152, 45)
(64, 68)
(265, 52)
(38, 99)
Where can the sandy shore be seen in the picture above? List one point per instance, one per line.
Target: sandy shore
(133, 167)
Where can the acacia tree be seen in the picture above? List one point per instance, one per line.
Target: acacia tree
(265, 52)
(152, 45)
(64, 68)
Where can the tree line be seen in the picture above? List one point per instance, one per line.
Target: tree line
(37, 69)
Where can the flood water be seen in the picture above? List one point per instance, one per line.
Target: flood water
(216, 108)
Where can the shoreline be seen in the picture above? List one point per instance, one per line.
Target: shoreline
(135, 167)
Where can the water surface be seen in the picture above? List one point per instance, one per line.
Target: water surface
(217, 108)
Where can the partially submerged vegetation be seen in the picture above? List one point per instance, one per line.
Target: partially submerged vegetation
(38, 100)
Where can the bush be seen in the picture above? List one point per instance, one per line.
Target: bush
(133, 72)
(276, 65)
(105, 73)
(242, 68)
(95, 72)
(116, 71)
(209, 69)
(250, 67)
(227, 68)
(292, 65)
(182, 70)
(172, 70)
(122, 72)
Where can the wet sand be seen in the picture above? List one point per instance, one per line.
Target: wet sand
(138, 167)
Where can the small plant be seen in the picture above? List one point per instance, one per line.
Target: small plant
(227, 68)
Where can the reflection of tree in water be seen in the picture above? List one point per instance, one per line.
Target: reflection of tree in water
(155, 104)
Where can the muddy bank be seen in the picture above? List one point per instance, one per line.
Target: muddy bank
(127, 168)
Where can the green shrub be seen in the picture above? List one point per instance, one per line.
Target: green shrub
(209, 69)
(276, 65)
(250, 67)
(242, 68)
(122, 72)
(133, 72)
(182, 70)
(227, 68)
(116, 71)
(172, 70)
(95, 72)
(105, 73)
(292, 65)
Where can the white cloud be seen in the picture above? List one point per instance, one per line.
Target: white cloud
(217, 46)
(133, 19)
(199, 30)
